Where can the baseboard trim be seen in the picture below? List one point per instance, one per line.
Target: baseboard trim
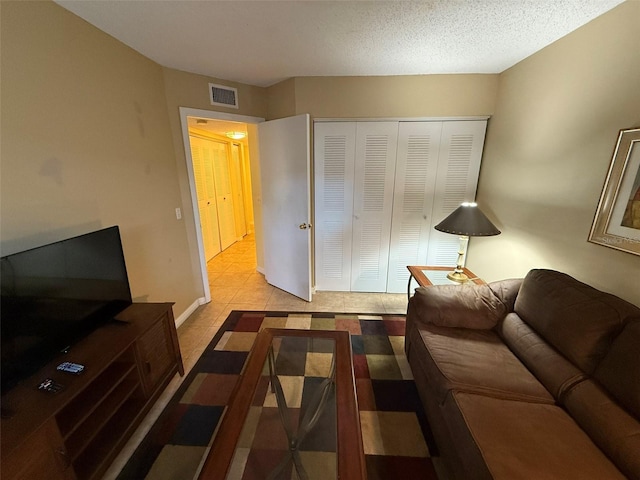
(190, 309)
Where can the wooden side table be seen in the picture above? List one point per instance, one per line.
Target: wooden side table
(429, 275)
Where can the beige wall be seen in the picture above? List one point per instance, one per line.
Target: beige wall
(191, 90)
(183, 89)
(86, 144)
(281, 99)
(547, 153)
(91, 137)
(396, 96)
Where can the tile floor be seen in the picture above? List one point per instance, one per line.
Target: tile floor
(236, 285)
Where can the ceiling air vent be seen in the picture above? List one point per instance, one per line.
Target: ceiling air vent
(223, 96)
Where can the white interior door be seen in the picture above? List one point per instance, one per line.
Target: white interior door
(238, 197)
(247, 189)
(224, 194)
(457, 178)
(334, 163)
(285, 160)
(376, 144)
(205, 190)
(416, 167)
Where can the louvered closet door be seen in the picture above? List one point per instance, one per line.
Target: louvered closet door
(237, 189)
(376, 144)
(416, 168)
(334, 158)
(224, 194)
(205, 191)
(457, 178)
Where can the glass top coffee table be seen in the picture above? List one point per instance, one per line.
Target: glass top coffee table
(293, 413)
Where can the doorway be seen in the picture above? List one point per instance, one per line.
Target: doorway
(223, 185)
(222, 180)
(281, 145)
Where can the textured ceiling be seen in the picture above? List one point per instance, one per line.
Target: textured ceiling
(263, 42)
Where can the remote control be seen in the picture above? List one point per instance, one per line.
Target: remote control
(48, 385)
(71, 367)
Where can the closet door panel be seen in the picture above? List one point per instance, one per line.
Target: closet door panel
(415, 178)
(224, 194)
(457, 178)
(376, 145)
(237, 188)
(334, 158)
(205, 191)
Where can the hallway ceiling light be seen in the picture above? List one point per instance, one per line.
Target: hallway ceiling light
(236, 135)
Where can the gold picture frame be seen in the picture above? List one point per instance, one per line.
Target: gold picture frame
(617, 220)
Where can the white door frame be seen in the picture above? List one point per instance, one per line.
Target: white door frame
(212, 115)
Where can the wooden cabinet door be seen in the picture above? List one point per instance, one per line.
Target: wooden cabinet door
(41, 456)
(156, 354)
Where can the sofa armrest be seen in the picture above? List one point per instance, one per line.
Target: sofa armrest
(466, 306)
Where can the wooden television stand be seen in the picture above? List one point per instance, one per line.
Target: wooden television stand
(77, 432)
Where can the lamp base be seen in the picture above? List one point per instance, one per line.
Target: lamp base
(458, 276)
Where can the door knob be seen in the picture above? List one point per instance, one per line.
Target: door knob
(304, 226)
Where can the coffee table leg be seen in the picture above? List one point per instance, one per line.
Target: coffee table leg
(308, 421)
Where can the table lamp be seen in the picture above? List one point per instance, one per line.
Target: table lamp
(467, 221)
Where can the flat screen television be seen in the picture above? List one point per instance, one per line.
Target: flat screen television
(56, 294)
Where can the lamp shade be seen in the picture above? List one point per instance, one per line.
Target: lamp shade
(468, 220)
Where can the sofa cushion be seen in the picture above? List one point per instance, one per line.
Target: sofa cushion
(473, 361)
(470, 306)
(610, 427)
(575, 318)
(520, 440)
(553, 370)
(619, 371)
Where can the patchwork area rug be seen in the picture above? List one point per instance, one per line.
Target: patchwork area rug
(396, 437)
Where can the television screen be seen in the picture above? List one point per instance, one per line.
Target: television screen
(54, 295)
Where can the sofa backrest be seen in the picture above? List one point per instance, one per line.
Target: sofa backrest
(551, 368)
(577, 319)
(619, 371)
(507, 291)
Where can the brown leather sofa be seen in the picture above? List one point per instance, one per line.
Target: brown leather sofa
(529, 379)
